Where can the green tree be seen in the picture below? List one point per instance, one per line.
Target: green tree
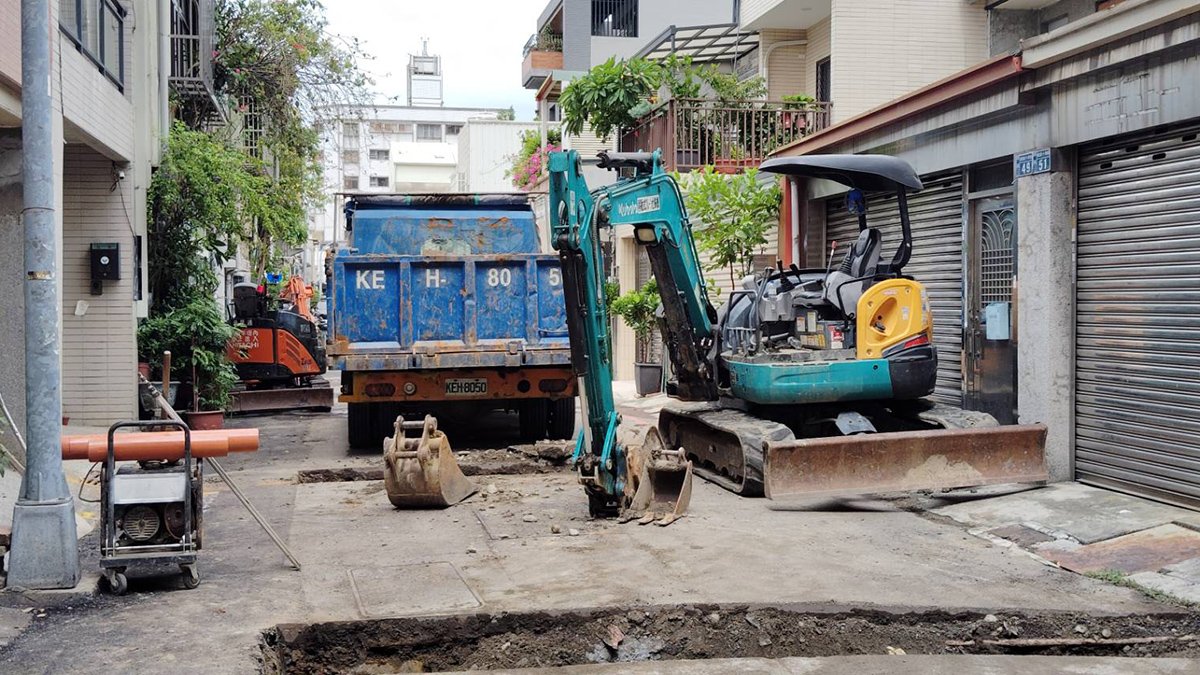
(610, 96)
(286, 72)
(736, 212)
(508, 114)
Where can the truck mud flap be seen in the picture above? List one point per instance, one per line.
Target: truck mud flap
(937, 459)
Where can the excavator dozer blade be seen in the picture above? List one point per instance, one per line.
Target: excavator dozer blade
(422, 472)
(938, 459)
(664, 486)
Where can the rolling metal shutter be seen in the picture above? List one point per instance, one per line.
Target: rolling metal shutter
(936, 213)
(1137, 335)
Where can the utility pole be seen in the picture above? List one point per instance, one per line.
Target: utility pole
(44, 553)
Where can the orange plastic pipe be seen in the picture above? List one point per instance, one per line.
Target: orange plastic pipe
(163, 445)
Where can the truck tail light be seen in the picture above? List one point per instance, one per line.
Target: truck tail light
(380, 389)
(552, 386)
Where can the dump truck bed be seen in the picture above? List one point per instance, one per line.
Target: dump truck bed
(403, 312)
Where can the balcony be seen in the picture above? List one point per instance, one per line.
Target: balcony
(728, 136)
(543, 54)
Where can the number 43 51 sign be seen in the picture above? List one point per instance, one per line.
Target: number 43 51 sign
(1032, 162)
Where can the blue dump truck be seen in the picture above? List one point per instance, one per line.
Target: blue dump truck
(442, 304)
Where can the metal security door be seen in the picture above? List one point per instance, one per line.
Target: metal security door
(936, 214)
(1137, 327)
(991, 355)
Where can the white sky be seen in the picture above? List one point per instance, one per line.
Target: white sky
(480, 43)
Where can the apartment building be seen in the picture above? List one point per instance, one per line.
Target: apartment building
(860, 54)
(1056, 232)
(110, 99)
(384, 149)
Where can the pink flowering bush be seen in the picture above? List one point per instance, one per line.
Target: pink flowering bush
(530, 162)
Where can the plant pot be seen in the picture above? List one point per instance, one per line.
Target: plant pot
(144, 369)
(205, 420)
(647, 378)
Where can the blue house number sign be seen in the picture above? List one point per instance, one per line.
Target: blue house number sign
(1032, 162)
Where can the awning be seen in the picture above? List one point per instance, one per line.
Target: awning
(716, 42)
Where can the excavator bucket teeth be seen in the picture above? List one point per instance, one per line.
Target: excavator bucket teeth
(664, 486)
(422, 472)
(905, 461)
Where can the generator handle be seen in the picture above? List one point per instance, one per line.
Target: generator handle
(110, 466)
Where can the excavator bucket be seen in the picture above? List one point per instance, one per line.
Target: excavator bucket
(422, 472)
(664, 483)
(938, 459)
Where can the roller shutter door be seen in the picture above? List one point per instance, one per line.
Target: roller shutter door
(1137, 366)
(936, 215)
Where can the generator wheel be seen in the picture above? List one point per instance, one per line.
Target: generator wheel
(118, 584)
(535, 419)
(562, 419)
(191, 576)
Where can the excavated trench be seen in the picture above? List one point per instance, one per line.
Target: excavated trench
(674, 632)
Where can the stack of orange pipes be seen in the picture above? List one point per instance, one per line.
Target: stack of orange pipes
(159, 445)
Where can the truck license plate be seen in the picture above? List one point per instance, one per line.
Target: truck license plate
(466, 386)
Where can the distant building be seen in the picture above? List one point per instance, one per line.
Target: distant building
(424, 78)
(485, 151)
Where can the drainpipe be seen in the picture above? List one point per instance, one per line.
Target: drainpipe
(764, 65)
(164, 71)
(44, 553)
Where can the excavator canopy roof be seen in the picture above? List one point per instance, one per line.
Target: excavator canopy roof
(869, 173)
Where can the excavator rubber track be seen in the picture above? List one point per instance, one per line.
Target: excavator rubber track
(929, 446)
(724, 444)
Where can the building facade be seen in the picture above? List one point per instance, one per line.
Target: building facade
(110, 99)
(1056, 232)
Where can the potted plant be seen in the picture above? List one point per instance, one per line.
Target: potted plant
(196, 336)
(732, 215)
(637, 308)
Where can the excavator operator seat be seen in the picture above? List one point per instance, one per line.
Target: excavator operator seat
(844, 285)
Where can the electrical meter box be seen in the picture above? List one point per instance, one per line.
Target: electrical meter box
(106, 262)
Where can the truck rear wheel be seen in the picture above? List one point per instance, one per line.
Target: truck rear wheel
(562, 419)
(535, 419)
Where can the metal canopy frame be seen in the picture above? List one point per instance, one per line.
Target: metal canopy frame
(705, 44)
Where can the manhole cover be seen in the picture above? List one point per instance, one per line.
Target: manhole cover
(410, 589)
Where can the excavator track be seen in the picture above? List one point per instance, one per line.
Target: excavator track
(724, 444)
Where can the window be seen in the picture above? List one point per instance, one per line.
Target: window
(350, 157)
(379, 181)
(97, 27)
(823, 80)
(453, 129)
(1056, 22)
(381, 155)
(615, 18)
(390, 128)
(424, 65)
(429, 132)
(350, 183)
(350, 133)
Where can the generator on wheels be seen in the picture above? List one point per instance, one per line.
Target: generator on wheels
(150, 512)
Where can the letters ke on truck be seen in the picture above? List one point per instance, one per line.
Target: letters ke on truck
(443, 304)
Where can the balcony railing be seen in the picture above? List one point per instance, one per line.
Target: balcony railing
(189, 62)
(729, 136)
(543, 42)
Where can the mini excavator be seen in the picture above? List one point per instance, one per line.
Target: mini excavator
(806, 383)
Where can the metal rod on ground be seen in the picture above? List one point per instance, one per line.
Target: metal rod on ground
(12, 424)
(44, 552)
(169, 412)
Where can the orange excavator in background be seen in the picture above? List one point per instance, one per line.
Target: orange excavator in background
(279, 352)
